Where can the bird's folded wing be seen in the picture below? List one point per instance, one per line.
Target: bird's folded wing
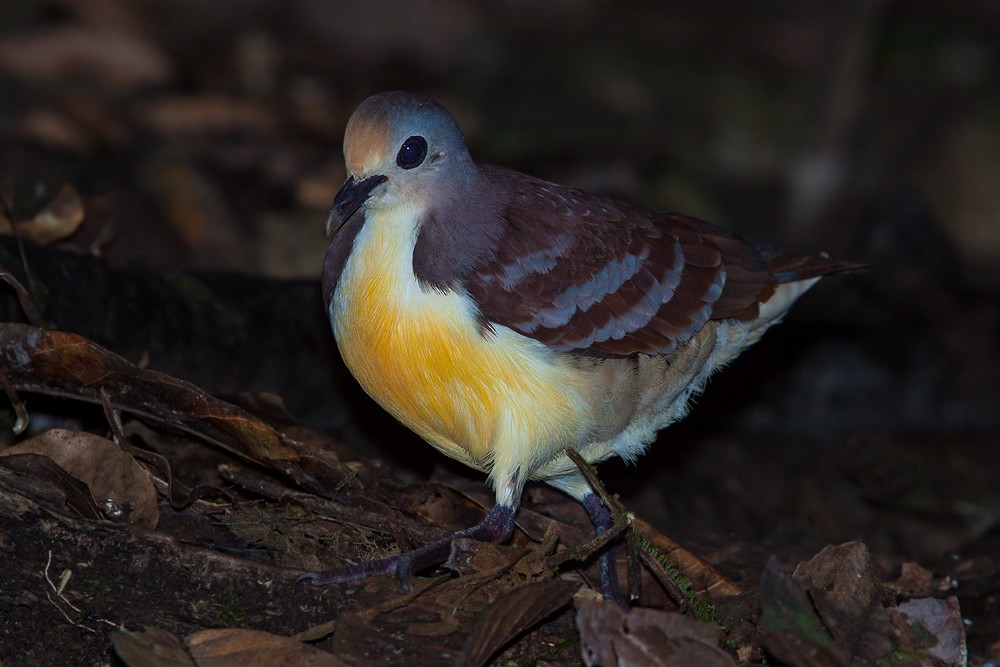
(587, 274)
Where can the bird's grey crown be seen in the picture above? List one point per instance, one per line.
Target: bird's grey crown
(412, 114)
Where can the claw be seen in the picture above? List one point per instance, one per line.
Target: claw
(495, 527)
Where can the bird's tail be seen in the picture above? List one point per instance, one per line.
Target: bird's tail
(787, 269)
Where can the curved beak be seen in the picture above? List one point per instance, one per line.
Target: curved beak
(349, 200)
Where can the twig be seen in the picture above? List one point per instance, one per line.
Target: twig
(28, 305)
(63, 580)
(634, 554)
(178, 495)
(676, 586)
(587, 549)
(58, 589)
(669, 574)
(595, 484)
(665, 579)
(547, 546)
(24, 298)
(22, 413)
(114, 418)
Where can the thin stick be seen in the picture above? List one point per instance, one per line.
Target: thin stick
(22, 413)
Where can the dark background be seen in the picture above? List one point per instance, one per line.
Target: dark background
(205, 135)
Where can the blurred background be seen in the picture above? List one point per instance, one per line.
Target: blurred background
(206, 135)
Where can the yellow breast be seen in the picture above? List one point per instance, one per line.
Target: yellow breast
(494, 402)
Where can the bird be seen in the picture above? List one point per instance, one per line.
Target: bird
(504, 318)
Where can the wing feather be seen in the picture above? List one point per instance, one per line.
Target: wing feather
(589, 275)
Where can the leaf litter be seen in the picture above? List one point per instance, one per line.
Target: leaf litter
(833, 608)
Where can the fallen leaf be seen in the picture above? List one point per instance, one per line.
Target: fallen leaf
(511, 614)
(48, 483)
(793, 632)
(834, 611)
(942, 620)
(231, 647)
(115, 479)
(468, 556)
(692, 567)
(611, 638)
(916, 581)
(843, 585)
(238, 648)
(151, 647)
(65, 364)
(58, 219)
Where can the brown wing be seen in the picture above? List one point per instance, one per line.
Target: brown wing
(586, 274)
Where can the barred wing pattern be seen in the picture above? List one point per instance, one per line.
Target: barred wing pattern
(586, 274)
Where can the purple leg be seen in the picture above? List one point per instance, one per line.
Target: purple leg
(496, 527)
(601, 517)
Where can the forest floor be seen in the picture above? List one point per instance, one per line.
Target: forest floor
(194, 443)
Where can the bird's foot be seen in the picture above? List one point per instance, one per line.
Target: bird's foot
(601, 517)
(495, 527)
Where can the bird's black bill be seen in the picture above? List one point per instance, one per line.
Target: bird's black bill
(349, 200)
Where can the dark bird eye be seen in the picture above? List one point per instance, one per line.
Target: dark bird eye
(412, 153)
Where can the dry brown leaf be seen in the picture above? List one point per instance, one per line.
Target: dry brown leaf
(468, 556)
(439, 626)
(238, 648)
(111, 473)
(150, 647)
(835, 612)
(611, 638)
(845, 589)
(59, 219)
(693, 567)
(916, 581)
(512, 614)
(65, 364)
(941, 619)
(230, 647)
(793, 632)
(42, 480)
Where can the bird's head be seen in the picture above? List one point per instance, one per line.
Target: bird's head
(400, 149)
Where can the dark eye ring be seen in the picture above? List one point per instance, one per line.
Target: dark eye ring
(412, 153)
